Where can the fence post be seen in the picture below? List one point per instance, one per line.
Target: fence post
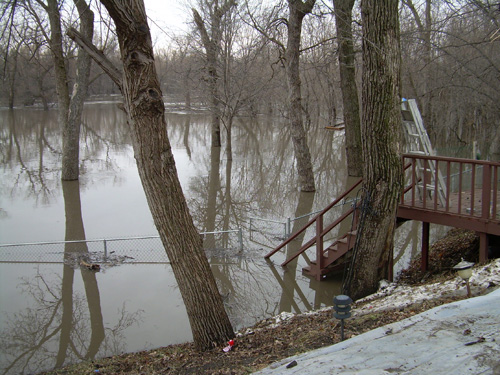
(289, 228)
(105, 248)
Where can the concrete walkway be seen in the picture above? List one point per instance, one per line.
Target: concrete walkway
(459, 338)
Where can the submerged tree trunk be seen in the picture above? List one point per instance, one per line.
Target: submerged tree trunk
(343, 20)
(71, 127)
(381, 132)
(298, 10)
(210, 324)
(59, 63)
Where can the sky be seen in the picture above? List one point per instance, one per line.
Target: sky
(166, 18)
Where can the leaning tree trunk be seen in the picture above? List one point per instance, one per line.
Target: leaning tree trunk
(381, 132)
(210, 324)
(298, 10)
(343, 20)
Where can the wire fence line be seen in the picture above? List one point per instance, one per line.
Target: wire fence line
(143, 249)
(263, 232)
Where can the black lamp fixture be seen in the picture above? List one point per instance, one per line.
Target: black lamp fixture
(342, 310)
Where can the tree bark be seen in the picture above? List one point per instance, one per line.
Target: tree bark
(343, 21)
(381, 136)
(298, 10)
(210, 324)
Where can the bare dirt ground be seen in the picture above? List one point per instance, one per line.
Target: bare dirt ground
(267, 341)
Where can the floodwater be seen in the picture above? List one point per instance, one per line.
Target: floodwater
(54, 312)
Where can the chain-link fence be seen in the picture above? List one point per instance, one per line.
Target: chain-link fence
(266, 233)
(147, 249)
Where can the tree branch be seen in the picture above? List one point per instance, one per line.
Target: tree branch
(200, 25)
(97, 56)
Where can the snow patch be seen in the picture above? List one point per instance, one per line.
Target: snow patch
(393, 296)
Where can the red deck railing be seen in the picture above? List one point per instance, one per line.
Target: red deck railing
(320, 231)
(464, 188)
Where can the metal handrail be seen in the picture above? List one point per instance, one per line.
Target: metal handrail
(313, 220)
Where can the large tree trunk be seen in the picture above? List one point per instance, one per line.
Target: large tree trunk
(343, 20)
(381, 133)
(298, 10)
(71, 127)
(145, 111)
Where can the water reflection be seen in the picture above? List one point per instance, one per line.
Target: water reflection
(75, 231)
(69, 318)
(59, 327)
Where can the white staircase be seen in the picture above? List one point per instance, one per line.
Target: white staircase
(418, 143)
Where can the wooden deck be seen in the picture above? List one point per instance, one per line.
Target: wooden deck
(467, 196)
(462, 193)
(456, 215)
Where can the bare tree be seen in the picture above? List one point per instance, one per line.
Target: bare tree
(289, 55)
(211, 37)
(381, 132)
(297, 11)
(69, 107)
(143, 104)
(424, 26)
(343, 21)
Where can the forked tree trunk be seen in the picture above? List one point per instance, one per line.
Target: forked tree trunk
(70, 109)
(381, 132)
(343, 21)
(210, 324)
(298, 10)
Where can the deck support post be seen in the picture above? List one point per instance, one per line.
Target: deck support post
(483, 247)
(424, 265)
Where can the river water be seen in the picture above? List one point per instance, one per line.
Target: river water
(54, 313)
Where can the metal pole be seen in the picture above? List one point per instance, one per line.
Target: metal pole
(105, 248)
(289, 224)
(341, 329)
